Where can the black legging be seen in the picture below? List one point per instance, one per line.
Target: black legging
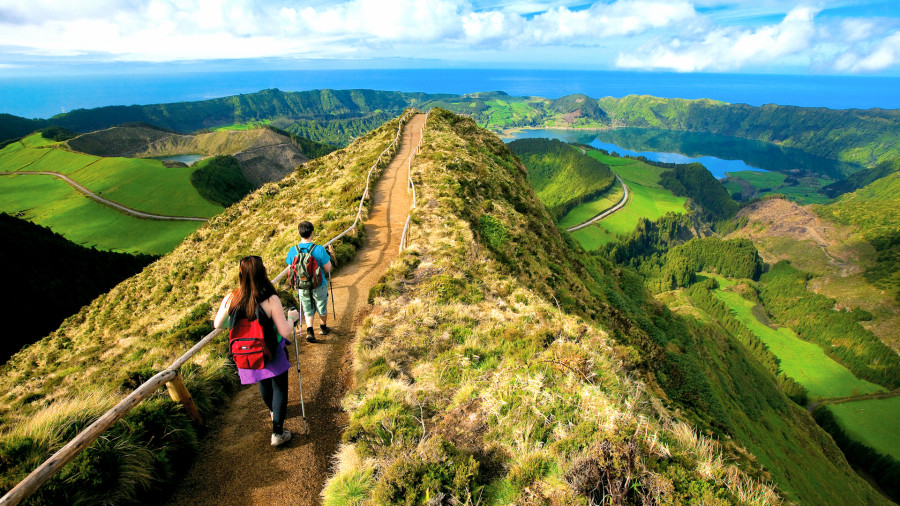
(275, 394)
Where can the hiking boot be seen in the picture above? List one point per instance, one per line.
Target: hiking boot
(310, 336)
(325, 329)
(280, 439)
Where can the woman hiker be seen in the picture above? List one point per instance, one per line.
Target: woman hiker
(256, 301)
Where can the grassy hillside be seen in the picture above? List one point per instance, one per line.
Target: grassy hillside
(648, 200)
(562, 175)
(812, 346)
(53, 388)
(875, 211)
(493, 366)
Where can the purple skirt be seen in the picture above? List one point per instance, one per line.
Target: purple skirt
(272, 369)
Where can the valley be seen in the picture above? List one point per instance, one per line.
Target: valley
(694, 341)
(834, 374)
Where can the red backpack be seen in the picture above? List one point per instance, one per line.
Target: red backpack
(247, 342)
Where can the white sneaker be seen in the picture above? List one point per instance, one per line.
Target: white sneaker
(280, 439)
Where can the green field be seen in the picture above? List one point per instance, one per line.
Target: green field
(803, 361)
(803, 192)
(588, 210)
(147, 185)
(647, 199)
(141, 184)
(243, 126)
(49, 201)
(503, 114)
(871, 422)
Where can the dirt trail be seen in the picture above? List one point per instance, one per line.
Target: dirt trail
(236, 464)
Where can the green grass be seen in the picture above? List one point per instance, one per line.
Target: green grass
(37, 140)
(59, 160)
(803, 361)
(49, 201)
(871, 422)
(647, 200)
(16, 156)
(803, 192)
(146, 185)
(243, 126)
(588, 210)
(141, 184)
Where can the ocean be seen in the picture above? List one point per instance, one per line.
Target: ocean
(42, 97)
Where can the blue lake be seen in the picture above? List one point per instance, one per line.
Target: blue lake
(720, 154)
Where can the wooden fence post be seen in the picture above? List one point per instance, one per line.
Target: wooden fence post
(179, 393)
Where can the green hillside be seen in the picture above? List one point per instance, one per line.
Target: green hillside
(514, 371)
(875, 211)
(64, 276)
(648, 200)
(562, 175)
(809, 348)
(133, 182)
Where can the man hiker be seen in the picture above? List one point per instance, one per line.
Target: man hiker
(313, 299)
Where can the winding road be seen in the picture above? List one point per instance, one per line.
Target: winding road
(106, 202)
(606, 213)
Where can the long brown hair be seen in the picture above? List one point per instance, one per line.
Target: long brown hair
(254, 288)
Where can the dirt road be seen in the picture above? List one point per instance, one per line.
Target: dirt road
(106, 202)
(236, 464)
(606, 213)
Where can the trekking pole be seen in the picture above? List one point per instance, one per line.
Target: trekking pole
(331, 286)
(297, 352)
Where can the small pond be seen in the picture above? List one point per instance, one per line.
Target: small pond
(185, 159)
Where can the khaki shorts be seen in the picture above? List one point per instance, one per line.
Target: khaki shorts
(319, 302)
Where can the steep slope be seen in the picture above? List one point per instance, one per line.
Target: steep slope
(562, 175)
(500, 364)
(54, 387)
(61, 274)
(264, 154)
(875, 212)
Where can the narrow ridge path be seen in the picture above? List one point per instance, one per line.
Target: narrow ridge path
(236, 464)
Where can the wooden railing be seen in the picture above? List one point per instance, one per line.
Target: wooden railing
(411, 185)
(169, 377)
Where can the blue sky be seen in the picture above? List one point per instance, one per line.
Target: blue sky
(753, 36)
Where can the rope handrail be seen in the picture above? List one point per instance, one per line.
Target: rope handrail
(169, 377)
(410, 184)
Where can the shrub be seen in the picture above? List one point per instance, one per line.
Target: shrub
(433, 472)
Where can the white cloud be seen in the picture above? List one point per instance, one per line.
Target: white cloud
(722, 35)
(882, 55)
(727, 48)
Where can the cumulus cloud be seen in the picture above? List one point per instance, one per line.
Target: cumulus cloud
(165, 29)
(727, 48)
(681, 35)
(882, 55)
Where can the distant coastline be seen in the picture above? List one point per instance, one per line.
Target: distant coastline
(43, 97)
